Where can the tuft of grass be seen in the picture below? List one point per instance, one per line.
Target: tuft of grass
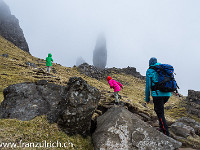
(39, 130)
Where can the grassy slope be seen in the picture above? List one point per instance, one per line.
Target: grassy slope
(14, 70)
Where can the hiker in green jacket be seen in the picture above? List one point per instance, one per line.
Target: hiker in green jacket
(48, 62)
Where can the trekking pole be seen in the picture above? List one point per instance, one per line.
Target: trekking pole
(177, 94)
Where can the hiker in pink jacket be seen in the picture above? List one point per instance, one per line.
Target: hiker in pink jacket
(116, 86)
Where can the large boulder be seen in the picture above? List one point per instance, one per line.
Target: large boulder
(10, 29)
(71, 106)
(120, 129)
(79, 103)
(193, 102)
(100, 53)
(25, 101)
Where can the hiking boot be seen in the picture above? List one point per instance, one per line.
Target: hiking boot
(163, 131)
(121, 103)
(116, 103)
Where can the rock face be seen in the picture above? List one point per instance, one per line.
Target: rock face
(120, 129)
(79, 103)
(80, 61)
(193, 102)
(10, 29)
(99, 74)
(100, 53)
(71, 107)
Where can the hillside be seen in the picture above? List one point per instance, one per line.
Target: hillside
(16, 69)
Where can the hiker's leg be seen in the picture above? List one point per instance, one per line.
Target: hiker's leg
(116, 97)
(165, 99)
(159, 109)
(156, 109)
(49, 69)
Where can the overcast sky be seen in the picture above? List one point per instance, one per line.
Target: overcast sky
(135, 30)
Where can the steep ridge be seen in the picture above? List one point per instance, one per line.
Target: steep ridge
(18, 66)
(10, 29)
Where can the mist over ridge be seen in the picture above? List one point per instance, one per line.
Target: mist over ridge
(134, 31)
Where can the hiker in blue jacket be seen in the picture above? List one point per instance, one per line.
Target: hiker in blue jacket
(159, 98)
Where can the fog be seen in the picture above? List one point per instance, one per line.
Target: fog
(135, 31)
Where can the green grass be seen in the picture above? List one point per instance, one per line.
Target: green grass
(39, 130)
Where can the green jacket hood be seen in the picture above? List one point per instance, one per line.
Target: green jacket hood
(49, 55)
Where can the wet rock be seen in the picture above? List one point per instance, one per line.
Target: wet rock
(10, 29)
(120, 129)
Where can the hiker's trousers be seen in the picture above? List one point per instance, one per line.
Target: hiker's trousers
(116, 96)
(159, 109)
(48, 69)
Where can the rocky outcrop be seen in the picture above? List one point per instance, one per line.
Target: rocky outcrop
(120, 129)
(100, 74)
(10, 29)
(100, 53)
(80, 61)
(186, 130)
(93, 72)
(71, 106)
(193, 102)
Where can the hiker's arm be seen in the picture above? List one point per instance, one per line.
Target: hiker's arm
(111, 84)
(120, 84)
(148, 88)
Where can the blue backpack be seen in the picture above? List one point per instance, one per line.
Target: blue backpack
(166, 81)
